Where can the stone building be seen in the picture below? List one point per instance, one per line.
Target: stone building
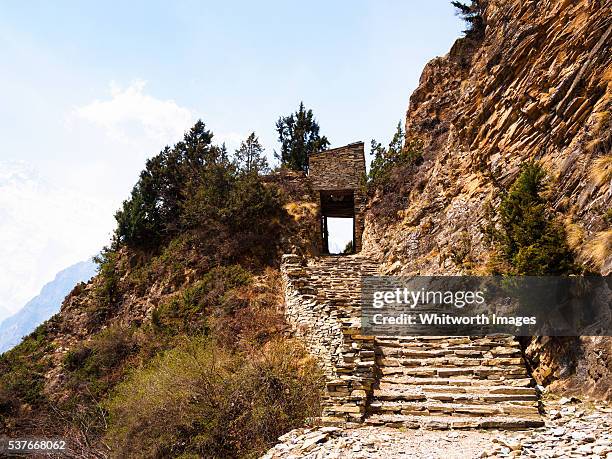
(338, 178)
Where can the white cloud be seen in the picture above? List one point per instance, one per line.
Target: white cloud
(130, 113)
(43, 229)
(131, 116)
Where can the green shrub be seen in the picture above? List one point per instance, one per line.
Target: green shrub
(93, 365)
(527, 236)
(199, 400)
(22, 371)
(243, 226)
(392, 174)
(190, 311)
(107, 291)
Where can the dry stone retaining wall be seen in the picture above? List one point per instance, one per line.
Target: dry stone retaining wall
(322, 303)
(316, 324)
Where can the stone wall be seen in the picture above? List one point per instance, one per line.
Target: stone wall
(360, 207)
(316, 324)
(322, 301)
(340, 168)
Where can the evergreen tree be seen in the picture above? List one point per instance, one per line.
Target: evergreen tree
(193, 190)
(529, 238)
(348, 248)
(472, 15)
(153, 209)
(384, 157)
(250, 156)
(397, 153)
(299, 136)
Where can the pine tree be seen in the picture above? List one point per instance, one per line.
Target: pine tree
(152, 212)
(348, 248)
(250, 156)
(299, 136)
(397, 153)
(472, 15)
(385, 157)
(529, 238)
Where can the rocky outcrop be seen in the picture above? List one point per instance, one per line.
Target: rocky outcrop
(572, 365)
(538, 86)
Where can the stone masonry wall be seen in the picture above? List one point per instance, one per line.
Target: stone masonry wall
(360, 207)
(321, 304)
(341, 168)
(316, 324)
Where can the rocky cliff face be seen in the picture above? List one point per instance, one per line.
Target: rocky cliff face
(537, 86)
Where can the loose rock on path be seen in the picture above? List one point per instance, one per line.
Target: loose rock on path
(573, 429)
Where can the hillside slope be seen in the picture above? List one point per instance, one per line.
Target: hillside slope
(44, 305)
(178, 346)
(537, 86)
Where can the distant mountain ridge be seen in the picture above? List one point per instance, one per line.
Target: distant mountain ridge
(44, 305)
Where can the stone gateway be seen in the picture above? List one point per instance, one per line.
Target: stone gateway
(338, 178)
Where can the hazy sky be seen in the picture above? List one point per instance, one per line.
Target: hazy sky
(89, 90)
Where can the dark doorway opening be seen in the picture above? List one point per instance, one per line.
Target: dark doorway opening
(338, 222)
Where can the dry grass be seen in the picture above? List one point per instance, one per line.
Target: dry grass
(575, 234)
(601, 172)
(301, 209)
(601, 130)
(599, 249)
(601, 145)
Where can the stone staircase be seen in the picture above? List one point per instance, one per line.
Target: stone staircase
(452, 382)
(424, 381)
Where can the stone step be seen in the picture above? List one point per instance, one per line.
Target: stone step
(461, 350)
(420, 381)
(435, 381)
(439, 349)
(408, 341)
(451, 396)
(469, 408)
(483, 372)
(455, 361)
(454, 422)
(459, 389)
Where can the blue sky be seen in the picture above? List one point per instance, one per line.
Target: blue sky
(89, 90)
